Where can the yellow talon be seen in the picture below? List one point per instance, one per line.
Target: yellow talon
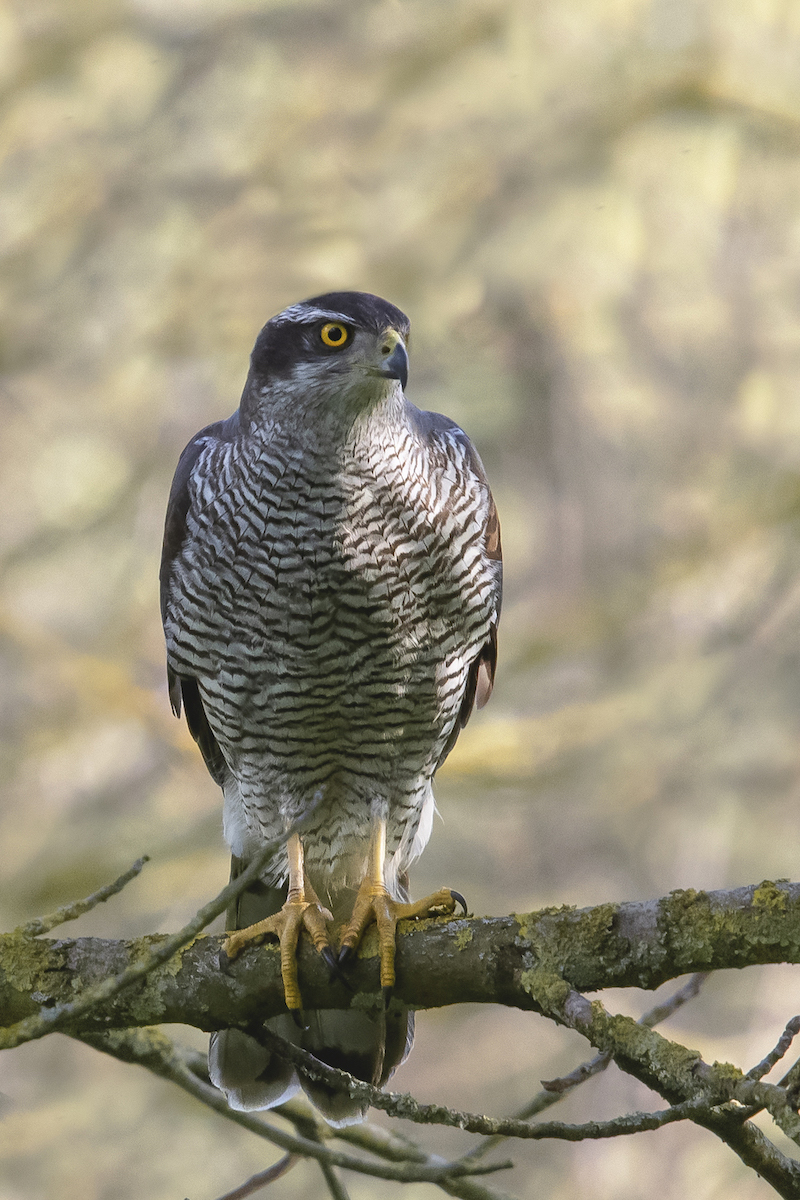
(373, 903)
(302, 910)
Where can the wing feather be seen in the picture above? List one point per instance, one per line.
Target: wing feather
(185, 692)
(480, 678)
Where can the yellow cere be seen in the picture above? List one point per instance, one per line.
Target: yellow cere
(333, 334)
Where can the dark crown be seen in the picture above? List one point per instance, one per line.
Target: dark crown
(283, 340)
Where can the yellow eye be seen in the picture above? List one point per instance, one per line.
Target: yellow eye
(334, 335)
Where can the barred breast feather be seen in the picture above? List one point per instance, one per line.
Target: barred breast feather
(332, 604)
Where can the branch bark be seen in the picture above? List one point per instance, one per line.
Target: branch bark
(542, 961)
(439, 962)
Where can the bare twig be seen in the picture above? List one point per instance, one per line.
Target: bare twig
(555, 1090)
(405, 1106)
(49, 1019)
(388, 1145)
(650, 1019)
(70, 912)
(335, 1186)
(753, 1094)
(635, 1122)
(784, 1042)
(660, 1012)
(668, 1067)
(255, 1182)
(384, 1143)
(594, 1066)
(308, 1125)
(374, 1139)
(151, 1049)
(432, 1114)
(679, 1074)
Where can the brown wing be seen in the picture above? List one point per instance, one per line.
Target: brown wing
(480, 679)
(184, 692)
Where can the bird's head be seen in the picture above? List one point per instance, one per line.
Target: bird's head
(328, 359)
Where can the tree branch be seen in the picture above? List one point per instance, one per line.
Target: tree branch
(555, 1090)
(71, 912)
(784, 1042)
(487, 960)
(151, 1049)
(55, 1015)
(538, 961)
(679, 1074)
(375, 1139)
(255, 1182)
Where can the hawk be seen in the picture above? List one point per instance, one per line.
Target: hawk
(330, 591)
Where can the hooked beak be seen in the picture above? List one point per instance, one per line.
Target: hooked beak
(395, 360)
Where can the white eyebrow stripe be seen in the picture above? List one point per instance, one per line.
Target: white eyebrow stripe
(307, 316)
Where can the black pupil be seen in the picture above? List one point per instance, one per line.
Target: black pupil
(335, 333)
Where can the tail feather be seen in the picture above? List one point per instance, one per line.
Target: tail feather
(363, 1044)
(367, 1045)
(250, 1075)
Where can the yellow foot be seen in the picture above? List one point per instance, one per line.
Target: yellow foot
(373, 903)
(297, 913)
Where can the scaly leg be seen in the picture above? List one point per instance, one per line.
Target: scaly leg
(302, 910)
(373, 903)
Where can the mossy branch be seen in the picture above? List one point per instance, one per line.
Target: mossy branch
(439, 962)
(544, 962)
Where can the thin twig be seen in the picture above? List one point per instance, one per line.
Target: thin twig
(260, 1180)
(374, 1139)
(335, 1186)
(752, 1093)
(49, 1019)
(674, 1071)
(405, 1106)
(554, 1090)
(660, 1012)
(70, 912)
(386, 1144)
(432, 1114)
(784, 1042)
(151, 1049)
(788, 1084)
(308, 1125)
(791, 1080)
(382, 1142)
(594, 1066)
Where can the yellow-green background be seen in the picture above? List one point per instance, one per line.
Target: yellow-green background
(591, 211)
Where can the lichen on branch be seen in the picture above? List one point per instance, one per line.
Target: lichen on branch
(439, 962)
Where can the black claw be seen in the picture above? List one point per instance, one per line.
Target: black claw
(459, 899)
(330, 960)
(297, 1017)
(345, 954)
(387, 993)
(224, 962)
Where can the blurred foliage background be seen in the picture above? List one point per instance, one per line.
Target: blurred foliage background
(591, 211)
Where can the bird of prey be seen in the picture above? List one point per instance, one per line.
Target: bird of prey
(330, 591)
